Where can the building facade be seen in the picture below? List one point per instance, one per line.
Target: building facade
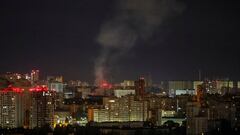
(11, 108)
(140, 87)
(122, 109)
(42, 108)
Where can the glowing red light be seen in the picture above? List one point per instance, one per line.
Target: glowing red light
(14, 89)
(39, 88)
(105, 85)
(110, 86)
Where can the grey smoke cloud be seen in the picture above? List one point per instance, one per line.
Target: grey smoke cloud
(117, 35)
(133, 20)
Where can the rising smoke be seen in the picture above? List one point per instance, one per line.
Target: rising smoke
(133, 20)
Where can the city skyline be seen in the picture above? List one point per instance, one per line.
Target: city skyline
(61, 39)
(119, 67)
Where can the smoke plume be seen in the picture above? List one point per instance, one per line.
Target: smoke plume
(133, 20)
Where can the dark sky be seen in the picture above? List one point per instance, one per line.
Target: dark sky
(59, 38)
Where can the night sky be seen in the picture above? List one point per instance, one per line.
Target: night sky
(59, 38)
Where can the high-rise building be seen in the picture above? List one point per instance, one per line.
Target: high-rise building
(127, 83)
(120, 92)
(42, 108)
(11, 107)
(55, 79)
(196, 83)
(27, 76)
(140, 87)
(34, 76)
(84, 91)
(56, 86)
(203, 114)
(122, 109)
(219, 86)
(196, 119)
(180, 87)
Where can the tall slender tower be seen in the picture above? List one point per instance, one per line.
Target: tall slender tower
(34, 76)
(140, 87)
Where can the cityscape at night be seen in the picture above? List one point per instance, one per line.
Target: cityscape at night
(119, 67)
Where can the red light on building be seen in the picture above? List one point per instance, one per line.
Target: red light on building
(39, 88)
(14, 89)
(105, 85)
(18, 90)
